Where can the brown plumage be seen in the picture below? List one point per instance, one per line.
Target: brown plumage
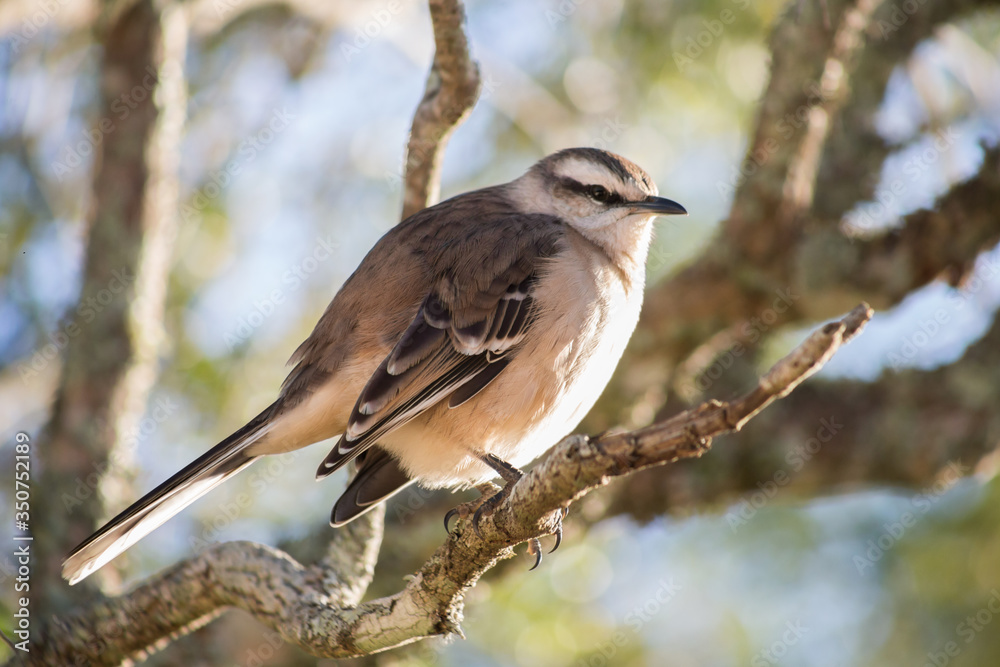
(472, 337)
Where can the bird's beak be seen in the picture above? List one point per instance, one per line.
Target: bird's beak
(659, 206)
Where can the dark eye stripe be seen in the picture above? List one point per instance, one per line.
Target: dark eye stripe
(576, 186)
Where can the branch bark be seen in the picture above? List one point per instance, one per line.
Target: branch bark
(266, 582)
(855, 151)
(113, 336)
(450, 93)
(310, 607)
(899, 431)
(776, 240)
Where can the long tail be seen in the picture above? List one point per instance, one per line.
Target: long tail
(205, 473)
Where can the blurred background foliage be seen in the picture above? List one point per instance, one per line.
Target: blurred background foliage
(314, 113)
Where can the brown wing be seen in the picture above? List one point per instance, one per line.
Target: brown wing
(465, 332)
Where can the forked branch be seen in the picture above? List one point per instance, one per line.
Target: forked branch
(318, 607)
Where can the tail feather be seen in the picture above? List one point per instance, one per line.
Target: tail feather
(155, 508)
(379, 477)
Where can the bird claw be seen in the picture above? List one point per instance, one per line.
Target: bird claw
(465, 509)
(558, 532)
(453, 512)
(558, 535)
(535, 549)
(535, 546)
(485, 506)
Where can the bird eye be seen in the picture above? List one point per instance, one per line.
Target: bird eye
(598, 193)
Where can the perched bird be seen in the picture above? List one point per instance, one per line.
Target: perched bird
(473, 336)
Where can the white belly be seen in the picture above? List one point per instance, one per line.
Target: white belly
(586, 317)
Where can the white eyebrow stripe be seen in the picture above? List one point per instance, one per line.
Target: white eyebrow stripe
(589, 173)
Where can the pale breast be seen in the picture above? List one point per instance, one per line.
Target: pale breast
(586, 317)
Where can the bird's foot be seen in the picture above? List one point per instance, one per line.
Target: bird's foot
(465, 510)
(510, 476)
(493, 497)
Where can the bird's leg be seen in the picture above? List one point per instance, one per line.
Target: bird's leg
(510, 476)
(492, 494)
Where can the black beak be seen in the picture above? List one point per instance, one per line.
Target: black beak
(659, 206)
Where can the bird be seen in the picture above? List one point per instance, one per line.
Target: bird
(473, 336)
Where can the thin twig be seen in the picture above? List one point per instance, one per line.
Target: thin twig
(451, 92)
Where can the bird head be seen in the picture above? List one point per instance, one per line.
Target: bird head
(608, 199)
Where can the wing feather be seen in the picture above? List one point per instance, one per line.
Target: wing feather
(464, 334)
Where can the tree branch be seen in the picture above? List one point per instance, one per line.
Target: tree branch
(264, 581)
(795, 165)
(855, 151)
(451, 92)
(812, 55)
(898, 431)
(114, 335)
(310, 607)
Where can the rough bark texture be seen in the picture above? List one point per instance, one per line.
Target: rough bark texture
(811, 158)
(235, 571)
(451, 92)
(855, 151)
(264, 581)
(113, 334)
(899, 431)
(318, 608)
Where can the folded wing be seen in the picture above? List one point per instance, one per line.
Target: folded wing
(466, 331)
